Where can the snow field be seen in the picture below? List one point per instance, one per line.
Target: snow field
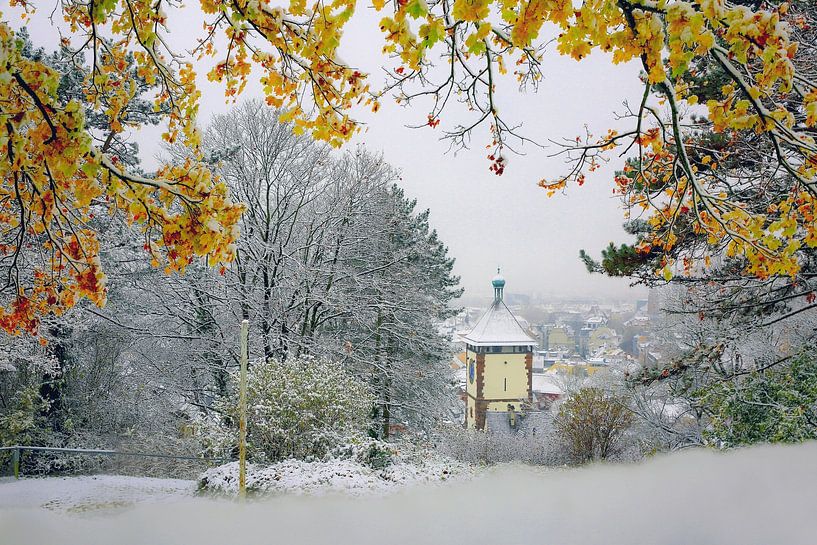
(86, 494)
(758, 496)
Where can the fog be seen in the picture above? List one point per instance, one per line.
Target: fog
(764, 495)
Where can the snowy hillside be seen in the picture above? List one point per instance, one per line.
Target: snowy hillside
(758, 496)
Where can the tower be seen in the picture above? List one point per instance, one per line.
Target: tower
(499, 358)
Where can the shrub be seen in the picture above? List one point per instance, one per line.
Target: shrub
(298, 408)
(534, 442)
(592, 423)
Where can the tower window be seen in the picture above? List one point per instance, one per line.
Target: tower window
(506, 384)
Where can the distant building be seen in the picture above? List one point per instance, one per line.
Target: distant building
(546, 390)
(594, 322)
(560, 339)
(541, 331)
(653, 304)
(549, 357)
(602, 337)
(499, 358)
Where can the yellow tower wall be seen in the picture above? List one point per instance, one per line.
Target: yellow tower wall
(500, 379)
(506, 377)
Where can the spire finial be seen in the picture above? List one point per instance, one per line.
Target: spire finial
(498, 282)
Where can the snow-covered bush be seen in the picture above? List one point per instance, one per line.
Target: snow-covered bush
(215, 437)
(22, 422)
(298, 408)
(334, 475)
(535, 442)
(24, 366)
(370, 452)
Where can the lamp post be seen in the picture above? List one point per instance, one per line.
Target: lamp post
(242, 408)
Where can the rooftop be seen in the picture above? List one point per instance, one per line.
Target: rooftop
(498, 327)
(546, 384)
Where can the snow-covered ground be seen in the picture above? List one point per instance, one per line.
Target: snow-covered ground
(760, 496)
(336, 476)
(88, 494)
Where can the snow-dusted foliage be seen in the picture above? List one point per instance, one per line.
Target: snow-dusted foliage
(297, 408)
(22, 422)
(340, 475)
(535, 442)
(334, 261)
(24, 366)
(723, 381)
(775, 405)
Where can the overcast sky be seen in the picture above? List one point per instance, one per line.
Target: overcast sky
(508, 221)
(486, 220)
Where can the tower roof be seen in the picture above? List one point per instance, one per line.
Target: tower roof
(498, 327)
